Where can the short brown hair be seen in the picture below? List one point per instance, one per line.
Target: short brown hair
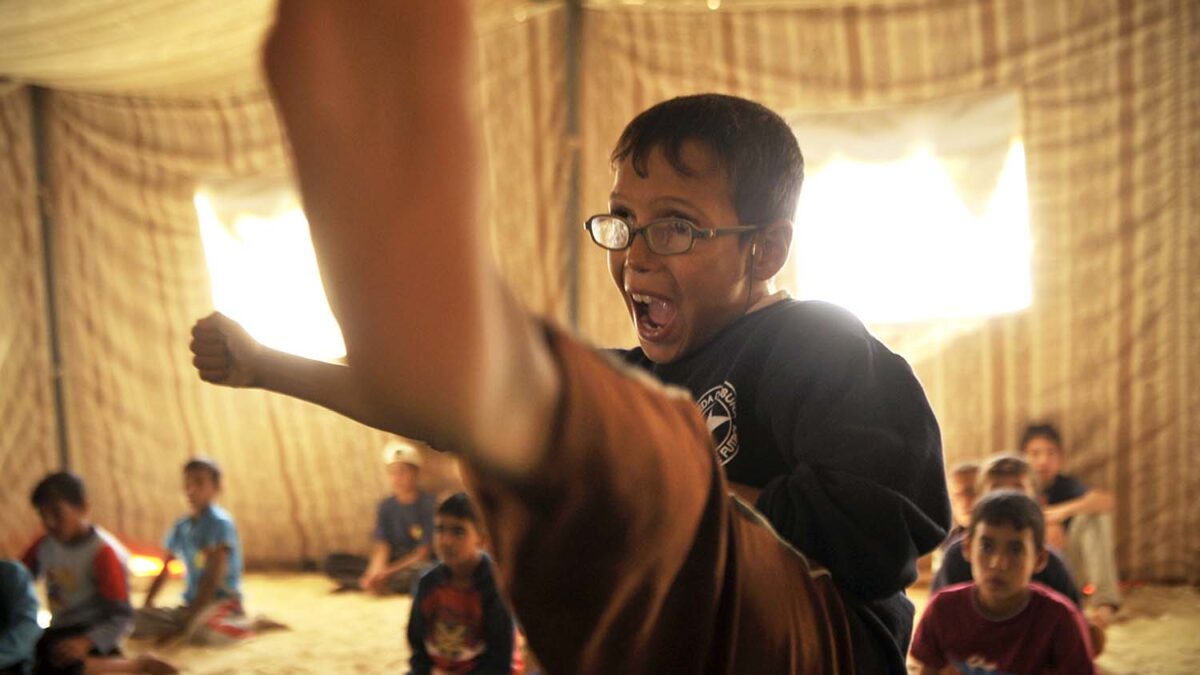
(1006, 466)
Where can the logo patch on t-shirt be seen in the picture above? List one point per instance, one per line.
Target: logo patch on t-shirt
(719, 407)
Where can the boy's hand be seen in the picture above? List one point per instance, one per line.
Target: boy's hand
(373, 582)
(71, 650)
(224, 352)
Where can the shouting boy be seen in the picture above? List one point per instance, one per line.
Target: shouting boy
(603, 493)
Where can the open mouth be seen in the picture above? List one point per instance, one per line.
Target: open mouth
(653, 315)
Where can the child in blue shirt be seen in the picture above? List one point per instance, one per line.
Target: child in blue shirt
(207, 542)
(400, 550)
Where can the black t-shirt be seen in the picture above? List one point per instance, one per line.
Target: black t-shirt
(956, 570)
(836, 431)
(1064, 489)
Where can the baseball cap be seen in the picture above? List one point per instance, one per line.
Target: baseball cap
(400, 451)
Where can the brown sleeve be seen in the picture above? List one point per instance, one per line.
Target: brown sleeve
(621, 551)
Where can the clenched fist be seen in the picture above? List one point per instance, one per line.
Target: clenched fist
(224, 353)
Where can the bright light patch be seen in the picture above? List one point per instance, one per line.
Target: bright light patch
(263, 269)
(915, 213)
(43, 618)
(150, 566)
(894, 241)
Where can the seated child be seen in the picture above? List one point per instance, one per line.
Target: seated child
(207, 543)
(961, 484)
(1084, 515)
(1003, 622)
(459, 622)
(403, 531)
(1006, 472)
(87, 583)
(19, 630)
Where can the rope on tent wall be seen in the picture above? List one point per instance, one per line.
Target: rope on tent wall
(39, 158)
(573, 48)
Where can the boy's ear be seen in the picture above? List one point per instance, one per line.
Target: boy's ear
(769, 249)
(1042, 558)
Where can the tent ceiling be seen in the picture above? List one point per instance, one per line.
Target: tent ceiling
(157, 47)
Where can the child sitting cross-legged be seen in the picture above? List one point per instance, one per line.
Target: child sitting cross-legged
(206, 540)
(459, 622)
(1002, 622)
(87, 584)
(403, 531)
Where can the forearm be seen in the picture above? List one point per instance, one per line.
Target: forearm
(157, 584)
(329, 385)
(431, 336)
(379, 558)
(214, 572)
(417, 555)
(1095, 501)
(118, 621)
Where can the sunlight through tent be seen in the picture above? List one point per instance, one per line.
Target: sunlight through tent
(263, 268)
(921, 216)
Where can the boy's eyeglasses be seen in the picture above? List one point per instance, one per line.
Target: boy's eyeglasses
(668, 236)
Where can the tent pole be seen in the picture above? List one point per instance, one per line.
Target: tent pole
(573, 48)
(38, 96)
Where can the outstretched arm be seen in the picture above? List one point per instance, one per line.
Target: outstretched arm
(226, 354)
(377, 103)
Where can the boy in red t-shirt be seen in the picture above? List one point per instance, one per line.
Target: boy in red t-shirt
(1001, 622)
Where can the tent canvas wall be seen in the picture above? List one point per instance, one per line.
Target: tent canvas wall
(134, 107)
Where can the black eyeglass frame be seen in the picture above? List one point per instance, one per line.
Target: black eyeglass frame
(697, 232)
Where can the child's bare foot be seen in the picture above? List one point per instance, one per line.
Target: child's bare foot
(149, 663)
(264, 623)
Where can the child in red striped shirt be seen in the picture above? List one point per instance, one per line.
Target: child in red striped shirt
(87, 583)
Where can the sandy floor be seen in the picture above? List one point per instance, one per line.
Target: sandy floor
(1159, 632)
(330, 633)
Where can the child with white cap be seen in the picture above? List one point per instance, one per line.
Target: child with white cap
(401, 540)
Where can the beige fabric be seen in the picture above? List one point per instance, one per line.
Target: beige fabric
(1110, 347)
(28, 446)
(160, 47)
(163, 46)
